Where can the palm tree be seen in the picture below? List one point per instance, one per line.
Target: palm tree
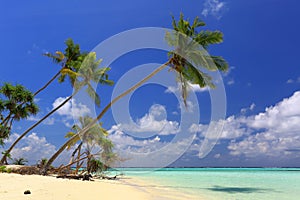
(96, 136)
(78, 80)
(188, 61)
(20, 161)
(18, 104)
(70, 60)
(84, 121)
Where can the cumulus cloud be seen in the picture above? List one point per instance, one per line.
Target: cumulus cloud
(71, 108)
(215, 8)
(274, 132)
(31, 147)
(150, 152)
(191, 87)
(154, 122)
(232, 128)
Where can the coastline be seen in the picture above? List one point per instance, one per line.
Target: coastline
(12, 186)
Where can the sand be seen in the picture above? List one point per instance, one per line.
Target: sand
(12, 187)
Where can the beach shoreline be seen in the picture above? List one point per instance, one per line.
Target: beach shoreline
(12, 186)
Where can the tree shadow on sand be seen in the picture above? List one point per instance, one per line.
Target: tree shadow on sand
(232, 190)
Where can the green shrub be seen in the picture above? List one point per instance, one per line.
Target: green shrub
(3, 169)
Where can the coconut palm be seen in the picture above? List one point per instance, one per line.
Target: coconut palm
(70, 61)
(188, 60)
(78, 79)
(20, 161)
(84, 121)
(17, 104)
(95, 137)
(89, 72)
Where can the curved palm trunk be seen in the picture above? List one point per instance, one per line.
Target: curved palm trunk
(6, 119)
(56, 154)
(84, 130)
(48, 83)
(4, 158)
(75, 161)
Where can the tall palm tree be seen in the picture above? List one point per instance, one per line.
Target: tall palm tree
(78, 80)
(89, 72)
(70, 61)
(17, 104)
(188, 61)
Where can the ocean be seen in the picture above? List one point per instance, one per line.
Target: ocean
(225, 183)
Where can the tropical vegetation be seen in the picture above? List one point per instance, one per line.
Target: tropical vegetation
(88, 139)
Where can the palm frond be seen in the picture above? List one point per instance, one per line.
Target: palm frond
(93, 94)
(220, 63)
(206, 38)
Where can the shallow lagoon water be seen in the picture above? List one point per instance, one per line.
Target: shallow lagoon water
(225, 183)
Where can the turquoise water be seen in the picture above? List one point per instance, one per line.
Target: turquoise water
(226, 183)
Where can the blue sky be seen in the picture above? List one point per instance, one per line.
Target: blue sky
(260, 44)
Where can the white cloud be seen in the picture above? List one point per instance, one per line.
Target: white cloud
(71, 108)
(36, 100)
(172, 89)
(226, 74)
(217, 155)
(215, 8)
(31, 147)
(275, 132)
(293, 81)
(153, 122)
(251, 108)
(232, 128)
(230, 82)
(48, 121)
(153, 152)
(191, 87)
(197, 88)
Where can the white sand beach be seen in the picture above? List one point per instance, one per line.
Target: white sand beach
(12, 187)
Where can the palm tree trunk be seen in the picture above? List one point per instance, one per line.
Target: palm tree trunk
(78, 157)
(56, 154)
(46, 85)
(6, 119)
(4, 158)
(75, 161)
(84, 130)
(74, 152)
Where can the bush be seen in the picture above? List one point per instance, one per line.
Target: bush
(3, 169)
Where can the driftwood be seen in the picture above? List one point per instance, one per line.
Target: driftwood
(85, 177)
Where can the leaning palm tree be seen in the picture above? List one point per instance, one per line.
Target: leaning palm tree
(84, 77)
(188, 60)
(70, 60)
(89, 72)
(97, 145)
(17, 104)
